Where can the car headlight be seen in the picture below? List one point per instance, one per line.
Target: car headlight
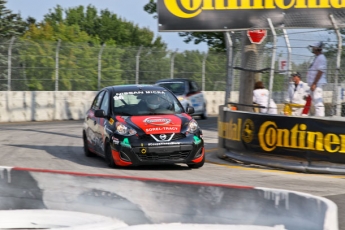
(192, 126)
(124, 130)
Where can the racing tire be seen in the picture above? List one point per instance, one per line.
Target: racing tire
(204, 113)
(87, 151)
(197, 165)
(109, 157)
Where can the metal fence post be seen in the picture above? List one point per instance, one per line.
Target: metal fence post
(203, 72)
(337, 88)
(9, 64)
(274, 46)
(137, 66)
(229, 49)
(57, 66)
(288, 72)
(100, 66)
(172, 63)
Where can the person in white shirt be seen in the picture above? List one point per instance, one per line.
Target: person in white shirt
(316, 78)
(261, 97)
(297, 94)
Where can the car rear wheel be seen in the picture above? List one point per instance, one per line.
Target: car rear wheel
(197, 165)
(109, 157)
(87, 151)
(204, 113)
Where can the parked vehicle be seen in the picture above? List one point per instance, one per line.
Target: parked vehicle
(142, 125)
(188, 93)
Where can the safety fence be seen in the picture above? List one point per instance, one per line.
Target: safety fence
(27, 65)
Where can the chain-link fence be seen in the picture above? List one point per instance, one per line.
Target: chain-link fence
(50, 66)
(56, 65)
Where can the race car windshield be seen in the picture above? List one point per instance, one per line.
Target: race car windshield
(177, 88)
(146, 103)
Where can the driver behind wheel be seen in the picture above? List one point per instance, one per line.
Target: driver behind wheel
(153, 101)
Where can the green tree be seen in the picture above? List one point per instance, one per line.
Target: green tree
(10, 24)
(78, 60)
(105, 25)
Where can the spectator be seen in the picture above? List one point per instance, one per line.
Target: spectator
(316, 78)
(297, 94)
(261, 97)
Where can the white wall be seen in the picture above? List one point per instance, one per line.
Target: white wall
(16, 106)
(44, 105)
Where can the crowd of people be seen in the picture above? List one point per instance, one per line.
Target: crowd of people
(301, 95)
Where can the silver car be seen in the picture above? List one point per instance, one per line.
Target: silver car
(188, 93)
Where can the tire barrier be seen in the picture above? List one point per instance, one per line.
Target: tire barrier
(136, 201)
(305, 144)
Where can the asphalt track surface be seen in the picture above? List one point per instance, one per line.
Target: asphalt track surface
(58, 146)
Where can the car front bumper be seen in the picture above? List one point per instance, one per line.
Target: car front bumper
(188, 150)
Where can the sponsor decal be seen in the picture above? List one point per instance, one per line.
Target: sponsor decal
(248, 131)
(161, 129)
(157, 121)
(115, 140)
(158, 124)
(125, 143)
(120, 94)
(270, 136)
(192, 8)
(111, 121)
(230, 130)
(154, 92)
(129, 93)
(197, 140)
(120, 97)
(163, 143)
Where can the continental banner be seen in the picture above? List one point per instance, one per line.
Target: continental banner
(303, 137)
(222, 15)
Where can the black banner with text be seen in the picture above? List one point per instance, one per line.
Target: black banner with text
(222, 15)
(303, 137)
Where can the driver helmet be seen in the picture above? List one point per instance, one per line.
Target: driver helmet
(153, 101)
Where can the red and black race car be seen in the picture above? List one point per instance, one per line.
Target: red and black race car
(134, 125)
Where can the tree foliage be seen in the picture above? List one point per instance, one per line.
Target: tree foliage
(10, 24)
(104, 26)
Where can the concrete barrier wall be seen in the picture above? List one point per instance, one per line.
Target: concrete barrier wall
(44, 105)
(17, 106)
(155, 201)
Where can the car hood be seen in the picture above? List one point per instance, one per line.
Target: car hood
(158, 123)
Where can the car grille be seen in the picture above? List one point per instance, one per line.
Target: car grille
(177, 136)
(164, 157)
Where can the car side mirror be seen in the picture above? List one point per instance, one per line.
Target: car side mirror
(100, 113)
(190, 110)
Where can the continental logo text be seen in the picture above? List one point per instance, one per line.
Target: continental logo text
(192, 8)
